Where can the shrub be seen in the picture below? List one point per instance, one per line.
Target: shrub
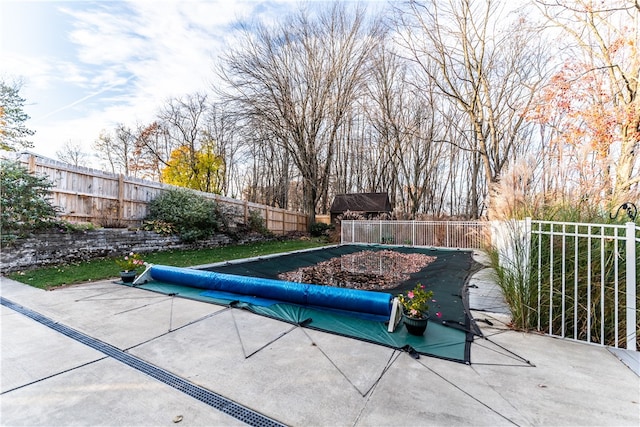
(26, 204)
(192, 216)
(318, 229)
(225, 214)
(159, 226)
(256, 223)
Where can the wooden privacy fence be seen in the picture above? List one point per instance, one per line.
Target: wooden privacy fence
(90, 195)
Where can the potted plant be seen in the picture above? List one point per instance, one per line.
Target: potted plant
(129, 266)
(415, 309)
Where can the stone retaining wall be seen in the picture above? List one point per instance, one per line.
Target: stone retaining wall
(54, 248)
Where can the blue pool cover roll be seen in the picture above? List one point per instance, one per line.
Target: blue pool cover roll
(297, 293)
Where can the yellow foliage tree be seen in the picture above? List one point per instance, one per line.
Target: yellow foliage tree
(196, 169)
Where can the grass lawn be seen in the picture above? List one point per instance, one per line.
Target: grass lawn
(99, 269)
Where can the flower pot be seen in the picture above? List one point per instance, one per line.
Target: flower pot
(128, 276)
(415, 326)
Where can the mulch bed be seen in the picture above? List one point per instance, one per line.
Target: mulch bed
(366, 270)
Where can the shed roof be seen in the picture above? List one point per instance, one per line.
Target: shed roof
(361, 202)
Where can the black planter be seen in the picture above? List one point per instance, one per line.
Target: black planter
(128, 276)
(415, 326)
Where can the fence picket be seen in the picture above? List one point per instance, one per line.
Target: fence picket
(631, 284)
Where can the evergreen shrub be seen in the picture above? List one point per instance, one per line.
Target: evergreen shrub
(192, 216)
(26, 202)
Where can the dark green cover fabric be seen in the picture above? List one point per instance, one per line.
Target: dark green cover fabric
(446, 276)
(447, 336)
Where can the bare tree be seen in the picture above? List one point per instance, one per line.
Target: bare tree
(71, 153)
(222, 128)
(488, 73)
(183, 118)
(299, 79)
(152, 149)
(406, 121)
(117, 149)
(269, 176)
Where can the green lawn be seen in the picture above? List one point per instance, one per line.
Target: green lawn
(51, 277)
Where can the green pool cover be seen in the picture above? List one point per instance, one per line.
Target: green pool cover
(448, 336)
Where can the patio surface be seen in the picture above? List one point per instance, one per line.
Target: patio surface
(285, 374)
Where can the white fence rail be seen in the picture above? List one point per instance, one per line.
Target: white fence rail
(586, 277)
(444, 234)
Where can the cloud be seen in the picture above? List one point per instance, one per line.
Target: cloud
(166, 46)
(118, 62)
(34, 70)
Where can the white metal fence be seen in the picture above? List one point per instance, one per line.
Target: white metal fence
(444, 234)
(586, 277)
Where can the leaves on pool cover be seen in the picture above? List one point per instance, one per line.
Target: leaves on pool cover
(362, 270)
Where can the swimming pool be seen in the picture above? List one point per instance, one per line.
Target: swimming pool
(446, 275)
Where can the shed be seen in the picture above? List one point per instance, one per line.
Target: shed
(369, 205)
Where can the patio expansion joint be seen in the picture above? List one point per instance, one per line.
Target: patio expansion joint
(459, 388)
(55, 374)
(171, 330)
(204, 395)
(394, 356)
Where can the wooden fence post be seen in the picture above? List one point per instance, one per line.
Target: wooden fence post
(31, 165)
(120, 197)
(266, 216)
(283, 227)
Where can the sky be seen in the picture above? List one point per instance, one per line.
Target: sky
(89, 65)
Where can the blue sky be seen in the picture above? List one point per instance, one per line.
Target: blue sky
(88, 65)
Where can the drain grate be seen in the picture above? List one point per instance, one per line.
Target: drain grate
(212, 399)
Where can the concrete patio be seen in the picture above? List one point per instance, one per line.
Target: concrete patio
(283, 373)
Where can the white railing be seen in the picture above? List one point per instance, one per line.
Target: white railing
(443, 234)
(586, 277)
